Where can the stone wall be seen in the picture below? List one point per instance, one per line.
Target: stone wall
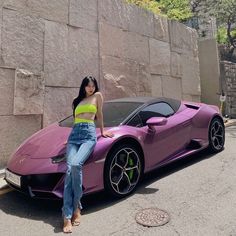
(228, 82)
(47, 47)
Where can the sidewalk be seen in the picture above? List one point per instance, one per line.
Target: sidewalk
(3, 184)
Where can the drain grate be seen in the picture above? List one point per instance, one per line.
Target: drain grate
(152, 217)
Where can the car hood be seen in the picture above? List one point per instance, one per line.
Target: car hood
(46, 143)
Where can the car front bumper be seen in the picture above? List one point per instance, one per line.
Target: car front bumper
(46, 186)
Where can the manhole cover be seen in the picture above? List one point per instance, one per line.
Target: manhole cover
(152, 217)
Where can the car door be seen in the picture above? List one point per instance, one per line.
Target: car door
(165, 140)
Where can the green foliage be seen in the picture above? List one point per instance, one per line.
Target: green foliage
(233, 33)
(222, 35)
(174, 9)
(224, 11)
(177, 9)
(150, 5)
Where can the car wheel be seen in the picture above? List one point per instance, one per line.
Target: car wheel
(123, 169)
(216, 135)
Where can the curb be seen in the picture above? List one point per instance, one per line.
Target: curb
(229, 122)
(3, 183)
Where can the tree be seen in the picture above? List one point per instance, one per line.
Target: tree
(150, 5)
(225, 13)
(174, 9)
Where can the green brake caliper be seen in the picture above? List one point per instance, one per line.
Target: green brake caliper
(131, 172)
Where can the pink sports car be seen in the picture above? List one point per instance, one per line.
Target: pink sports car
(148, 133)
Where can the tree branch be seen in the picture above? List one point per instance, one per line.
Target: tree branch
(231, 40)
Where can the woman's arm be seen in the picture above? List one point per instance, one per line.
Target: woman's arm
(99, 115)
(99, 111)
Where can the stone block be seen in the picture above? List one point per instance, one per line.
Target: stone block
(191, 98)
(83, 14)
(55, 10)
(70, 55)
(14, 130)
(58, 104)
(113, 13)
(22, 40)
(176, 40)
(171, 87)
(15, 4)
(1, 61)
(161, 28)
(159, 57)
(28, 93)
(119, 77)
(183, 39)
(136, 47)
(139, 20)
(56, 58)
(7, 78)
(194, 42)
(126, 16)
(191, 75)
(156, 85)
(111, 40)
(144, 81)
(176, 65)
(196, 98)
(83, 50)
(119, 43)
(187, 97)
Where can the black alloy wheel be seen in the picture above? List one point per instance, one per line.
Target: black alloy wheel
(216, 135)
(123, 170)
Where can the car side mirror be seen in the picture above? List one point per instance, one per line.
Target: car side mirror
(156, 121)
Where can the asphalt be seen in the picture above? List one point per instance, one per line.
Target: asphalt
(4, 187)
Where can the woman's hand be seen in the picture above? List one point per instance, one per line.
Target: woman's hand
(107, 134)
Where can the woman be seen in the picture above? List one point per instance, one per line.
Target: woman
(80, 145)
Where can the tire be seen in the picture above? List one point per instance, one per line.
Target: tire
(216, 135)
(123, 169)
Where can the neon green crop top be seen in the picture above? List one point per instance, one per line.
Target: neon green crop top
(84, 108)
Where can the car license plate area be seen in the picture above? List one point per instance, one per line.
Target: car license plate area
(13, 178)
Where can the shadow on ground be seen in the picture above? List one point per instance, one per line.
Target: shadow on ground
(49, 211)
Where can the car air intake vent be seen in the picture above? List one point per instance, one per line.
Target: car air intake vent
(191, 106)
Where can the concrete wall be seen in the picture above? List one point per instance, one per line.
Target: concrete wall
(47, 47)
(209, 71)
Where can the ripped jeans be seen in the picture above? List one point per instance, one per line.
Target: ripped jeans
(77, 153)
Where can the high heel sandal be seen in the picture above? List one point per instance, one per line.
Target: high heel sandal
(76, 218)
(67, 227)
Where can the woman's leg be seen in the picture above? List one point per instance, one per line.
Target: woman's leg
(68, 191)
(81, 156)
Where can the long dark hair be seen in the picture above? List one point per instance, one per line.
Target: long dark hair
(82, 92)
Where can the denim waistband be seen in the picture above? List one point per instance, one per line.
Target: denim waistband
(84, 124)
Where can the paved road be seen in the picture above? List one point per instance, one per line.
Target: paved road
(198, 193)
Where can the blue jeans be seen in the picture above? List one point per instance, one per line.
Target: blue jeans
(77, 154)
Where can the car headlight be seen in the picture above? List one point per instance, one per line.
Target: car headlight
(58, 159)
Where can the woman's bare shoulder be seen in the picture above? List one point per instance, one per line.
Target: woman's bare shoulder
(98, 94)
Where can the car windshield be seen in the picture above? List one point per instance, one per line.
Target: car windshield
(114, 113)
